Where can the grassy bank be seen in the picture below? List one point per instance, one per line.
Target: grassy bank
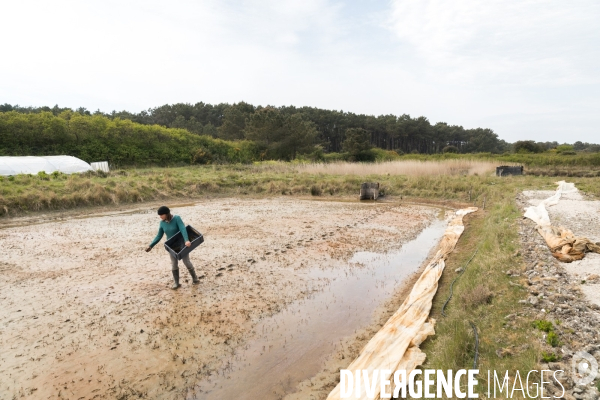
(547, 160)
(550, 163)
(483, 296)
(25, 193)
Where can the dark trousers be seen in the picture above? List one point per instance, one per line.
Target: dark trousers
(186, 262)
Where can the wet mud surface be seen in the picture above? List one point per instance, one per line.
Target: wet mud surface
(293, 345)
(86, 313)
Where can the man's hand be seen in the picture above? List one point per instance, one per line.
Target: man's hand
(188, 243)
(148, 249)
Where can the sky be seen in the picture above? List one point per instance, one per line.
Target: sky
(526, 69)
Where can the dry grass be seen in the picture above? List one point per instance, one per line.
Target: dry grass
(480, 294)
(24, 193)
(484, 296)
(408, 167)
(567, 171)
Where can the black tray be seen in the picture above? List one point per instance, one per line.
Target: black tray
(176, 245)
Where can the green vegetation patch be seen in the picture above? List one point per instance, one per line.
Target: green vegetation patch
(543, 325)
(24, 193)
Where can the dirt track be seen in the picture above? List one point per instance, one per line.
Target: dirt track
(85, 313)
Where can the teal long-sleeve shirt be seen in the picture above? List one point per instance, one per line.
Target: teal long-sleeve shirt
(170, 228)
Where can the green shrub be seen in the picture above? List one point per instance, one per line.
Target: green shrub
(549, 357)
(315, 190)
(332, 157)
(543, 325)
(201, 156)
(365, 156)
(317, 155)
(384, 155)
(527, 146)
(564, 147)
(120, 142)
(552, 339)
(43, 176)
(450, 149)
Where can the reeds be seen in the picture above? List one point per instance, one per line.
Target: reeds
(457, 180)
(403, 167)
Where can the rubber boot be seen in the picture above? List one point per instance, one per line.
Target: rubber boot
(176, 284)
(195, 279)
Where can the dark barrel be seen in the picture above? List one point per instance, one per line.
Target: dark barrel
(505, 170)
(369, 191)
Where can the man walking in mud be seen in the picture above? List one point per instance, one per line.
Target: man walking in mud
(170, 225)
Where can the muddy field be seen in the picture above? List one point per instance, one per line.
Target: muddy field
(86, 313)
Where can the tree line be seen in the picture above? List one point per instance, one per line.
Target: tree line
(324, 128)
(240, 132)
(530, 146)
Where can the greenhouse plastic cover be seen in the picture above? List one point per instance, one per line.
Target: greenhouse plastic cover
(563, 244)
(539, 214)
(48, 164)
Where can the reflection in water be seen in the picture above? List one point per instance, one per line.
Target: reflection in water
(292, 345)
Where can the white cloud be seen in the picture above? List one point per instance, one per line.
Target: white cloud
(514, 66)
(130, 53)
(525, 42)
(463, 62)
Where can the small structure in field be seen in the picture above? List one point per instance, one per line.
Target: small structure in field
(369, 191)
(505, 170)
(100, 166)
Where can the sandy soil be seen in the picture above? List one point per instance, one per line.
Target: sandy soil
(86, 313)
(582, 217)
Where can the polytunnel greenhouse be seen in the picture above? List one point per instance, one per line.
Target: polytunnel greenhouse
(48, 164)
